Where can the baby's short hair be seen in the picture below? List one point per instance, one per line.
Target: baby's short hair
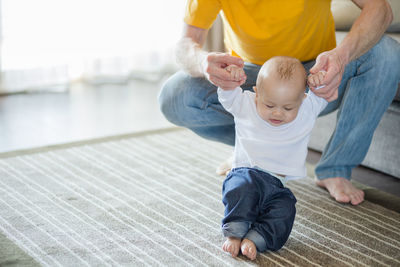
(282, 66)
(285, 67)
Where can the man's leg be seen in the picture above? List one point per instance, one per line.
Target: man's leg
(368, 87)
(193, 103)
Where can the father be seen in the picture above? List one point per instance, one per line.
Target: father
(362, 72)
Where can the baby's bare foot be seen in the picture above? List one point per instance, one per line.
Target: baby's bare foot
(225, 167)
(248, 249)
(232, 245)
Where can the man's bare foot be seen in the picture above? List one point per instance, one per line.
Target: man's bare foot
(248, 249)
(342, 190)
(232, 245)
(225, 166)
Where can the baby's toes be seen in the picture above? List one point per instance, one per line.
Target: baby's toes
(224, 247)
(235, 251)
(252, 253)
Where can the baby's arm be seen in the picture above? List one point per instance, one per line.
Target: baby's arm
(231, 98)
(316, 80)
(237, 74)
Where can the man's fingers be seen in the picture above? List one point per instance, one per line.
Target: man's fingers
(218, 72)
(222, 74)
(227, 85)
(217, 62)
(228, 59)
(330, 63)
(225, 58)
(330, 94)
(333, 97)
(334, 83)
(319, 64)
(325, 91)
(332, 73)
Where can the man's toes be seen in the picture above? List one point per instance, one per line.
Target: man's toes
(357, 198)
(355, 201)
(361, 194)
(341, 197)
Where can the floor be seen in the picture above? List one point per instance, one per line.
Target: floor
(87, 112)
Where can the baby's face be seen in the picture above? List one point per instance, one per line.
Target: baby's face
(278, 102)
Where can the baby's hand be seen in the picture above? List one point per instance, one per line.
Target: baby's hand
(316, 80)
(237, 73)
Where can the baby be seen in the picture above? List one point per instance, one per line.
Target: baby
(273, 126)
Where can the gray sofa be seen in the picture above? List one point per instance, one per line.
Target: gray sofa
(383, 154)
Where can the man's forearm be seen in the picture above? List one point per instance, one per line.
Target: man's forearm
(190, 57)
(366, 31)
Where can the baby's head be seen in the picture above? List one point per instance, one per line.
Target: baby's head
(280, 89)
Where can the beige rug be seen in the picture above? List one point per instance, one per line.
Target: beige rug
(153, 199)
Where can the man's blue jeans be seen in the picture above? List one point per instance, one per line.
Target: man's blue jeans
(257, 207)
(368, 87)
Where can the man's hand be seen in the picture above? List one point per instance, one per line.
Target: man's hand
(199, 63)
(334, 65)
(367, 30)
(214, 66)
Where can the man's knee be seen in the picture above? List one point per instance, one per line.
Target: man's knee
(385, 57)
(182, 98)
(169, 96)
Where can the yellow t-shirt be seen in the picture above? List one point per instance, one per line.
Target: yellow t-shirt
(257, 30)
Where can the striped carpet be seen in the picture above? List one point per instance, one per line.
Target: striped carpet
(154, 200)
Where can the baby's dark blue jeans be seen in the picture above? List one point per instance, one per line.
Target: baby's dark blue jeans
(257, 207)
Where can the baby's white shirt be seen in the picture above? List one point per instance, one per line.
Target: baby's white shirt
(276, 149)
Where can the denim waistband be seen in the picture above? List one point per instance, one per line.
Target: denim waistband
(280, 179)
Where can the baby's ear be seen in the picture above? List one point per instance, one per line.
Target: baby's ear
(255, 89)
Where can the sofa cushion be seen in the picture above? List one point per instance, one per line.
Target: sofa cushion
(345, 13)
